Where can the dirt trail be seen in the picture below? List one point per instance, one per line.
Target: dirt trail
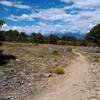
(80, 84)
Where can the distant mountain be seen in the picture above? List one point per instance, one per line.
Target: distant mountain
(77, 35)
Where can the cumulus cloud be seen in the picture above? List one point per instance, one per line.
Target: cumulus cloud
(81, 22)
(44, 28)
(14, 4)
(51, 14)
(23, 17)
(84, 4)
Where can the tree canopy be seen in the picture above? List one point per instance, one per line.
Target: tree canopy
(94, 35)
(1, 37)
(1, 23)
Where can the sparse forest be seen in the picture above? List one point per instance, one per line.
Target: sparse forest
(91, 39)
(94, 35)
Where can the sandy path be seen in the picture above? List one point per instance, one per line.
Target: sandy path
(77, 86)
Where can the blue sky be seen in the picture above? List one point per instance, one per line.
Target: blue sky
(50, 16)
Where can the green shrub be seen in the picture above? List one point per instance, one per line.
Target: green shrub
(96, 58)
(36, 44)
(59, 70)
(55, 52)
(61, 42)
(69, 49)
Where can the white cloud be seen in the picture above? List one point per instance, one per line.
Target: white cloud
(5, 25)
(84, 4)
(80, 22)
(22, 6)
(51, 14)
(14, 4)
(41, 27)
(23, 17)
(6, 3)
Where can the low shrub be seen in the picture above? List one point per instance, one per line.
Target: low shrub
(55, 52)
(59, 70)
(61, 42)
(96, 58)
(69, 49)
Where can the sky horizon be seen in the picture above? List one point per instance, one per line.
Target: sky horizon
(50, 16)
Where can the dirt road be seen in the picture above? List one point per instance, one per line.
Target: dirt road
(81, 83)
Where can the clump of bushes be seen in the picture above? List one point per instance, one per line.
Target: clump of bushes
(97, 49)
(55, 52)
(96, 58)
(36, 44)
(69, 49)
(61, 42)
(59, 70)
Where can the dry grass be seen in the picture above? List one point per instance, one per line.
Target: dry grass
(34, 63)
(55, 52)
(40, 56)
(95, 58)
(69, 49)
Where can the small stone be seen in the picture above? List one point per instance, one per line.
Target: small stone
(12, 71)
(1, 73)
(21, 73)
(29, 84)
(21, 82)
(17, 60)
(48, 75)
(5, 98)
(4, 83)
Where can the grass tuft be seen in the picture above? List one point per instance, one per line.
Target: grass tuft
(55, 52)
(69, 49)
(59, 70)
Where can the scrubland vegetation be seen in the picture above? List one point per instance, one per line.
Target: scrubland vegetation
(32, 64)
(59, 70)
(92, 38)
(27, 62)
